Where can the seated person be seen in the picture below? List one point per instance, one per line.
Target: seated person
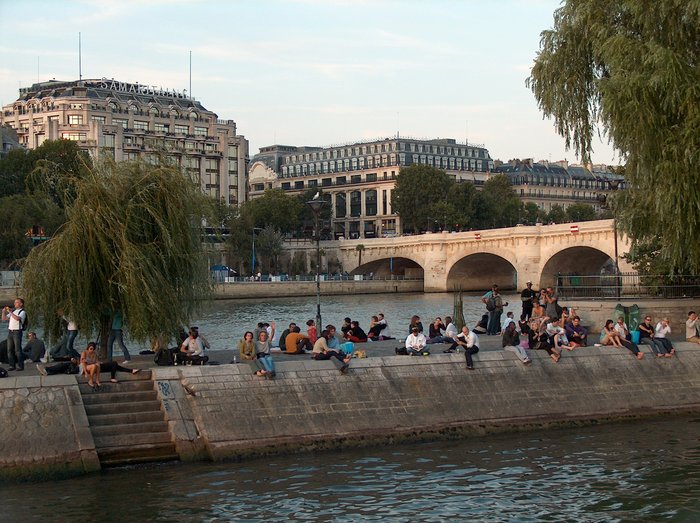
(345, 327)
(90, 365)
(482, 325)
(576, 333)
(375, 328)
(113, 367)
(647, 336)
(311, 331)
(470, 341)
(507, 320)
(283, 336)
(332, 340)
(511, 342)
(538, 339)
(296, 342)
(263, 355)
(435, 332)
(415, 343)
(64, 367)
(692, 328)
(321, 351)
(450, 329)
(35, 349)
(191, 350)
(609, 336)
(356, 334)
(661, 332)
(415, 322)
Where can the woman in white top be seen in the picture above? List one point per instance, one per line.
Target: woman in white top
(661, 332)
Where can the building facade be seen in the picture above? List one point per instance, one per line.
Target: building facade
(360, 176)
(558, 183)
(128, 121)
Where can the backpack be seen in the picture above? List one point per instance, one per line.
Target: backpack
(163, 357)
(491, 304)
(25, 322)
(3, 373)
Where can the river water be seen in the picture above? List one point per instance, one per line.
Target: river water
(643, 471)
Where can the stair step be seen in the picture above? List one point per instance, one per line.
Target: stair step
(144, 375)
(128, 440)
(112, 457)
(105, 396)
(122, 386)
(101, 420)
(147, 427)
(120, 408)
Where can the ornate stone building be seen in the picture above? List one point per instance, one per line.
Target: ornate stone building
(126, 121)
(360, 176)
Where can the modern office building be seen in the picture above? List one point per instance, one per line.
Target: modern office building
(360, 176)
(131, 120)
(558, 183)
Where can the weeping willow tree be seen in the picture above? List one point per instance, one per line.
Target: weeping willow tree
(630, 69)
(131, 243)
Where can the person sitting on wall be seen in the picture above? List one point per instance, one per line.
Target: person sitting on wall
(538, 339)
(692, 328)
(263, 355)
(610, 336)
(415, 322)
(191, 350)
(311, 331)
(246, 350)
(374, 328)
(507, 320)
(647, 337)
(321, 352)
(113, 367)
(90, 365)
(577, 333)
(511, 342)
(283, 336)
(482, 325)
(470, 341)
(296, 342)
(415, 343)
(450, 329)
(661, 333)
(345, 327)
(35, 349)
(435, 332)
(356, 334)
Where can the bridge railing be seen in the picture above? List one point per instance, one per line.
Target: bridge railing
(627, 285)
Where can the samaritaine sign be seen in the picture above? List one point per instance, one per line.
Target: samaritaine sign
(135, 88)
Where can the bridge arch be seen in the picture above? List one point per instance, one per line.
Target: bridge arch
(386, 267)
(580, 260)
(479, 271)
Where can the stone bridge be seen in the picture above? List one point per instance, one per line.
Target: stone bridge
(474, 260)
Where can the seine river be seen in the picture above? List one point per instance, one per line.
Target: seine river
(644, 471)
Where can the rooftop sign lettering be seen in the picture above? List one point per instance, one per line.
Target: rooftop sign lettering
(137, 88)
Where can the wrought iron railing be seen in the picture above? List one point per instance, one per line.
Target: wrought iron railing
(627, 285)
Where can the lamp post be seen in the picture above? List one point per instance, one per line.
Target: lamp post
(316, 205)
(252, 261)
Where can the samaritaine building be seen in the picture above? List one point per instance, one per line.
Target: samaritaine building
(360, 176)
(130, 120)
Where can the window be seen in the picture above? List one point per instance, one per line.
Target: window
(143, 126)
(325, 182)
(340, 205)
(153, 111)
(355, 203)
(75, 137)
(98, 119)
(181, 129)
(75, 119)
(356, 178)
(233, 151)
(200, 131)
(371, 203)
(371, 177)
(384, 203)
(286, 186)
(259, 187)
(113, 107)
(313, 183)
(107, 140)
(298, 185)
(120, 123)
(162, 128)
(340, 180)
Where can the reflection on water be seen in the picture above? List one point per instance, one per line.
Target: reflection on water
(648, 471)
(224, 322)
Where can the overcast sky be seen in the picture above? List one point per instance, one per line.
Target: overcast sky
(309, 72)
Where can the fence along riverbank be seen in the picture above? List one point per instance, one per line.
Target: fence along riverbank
(229, 413)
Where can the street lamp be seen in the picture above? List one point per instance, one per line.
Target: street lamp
(316, 205)
(252, 261)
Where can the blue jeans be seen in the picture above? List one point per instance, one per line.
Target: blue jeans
(14, 349)
(267, 363)
(494, 321)
(71, 340)
(118, 336)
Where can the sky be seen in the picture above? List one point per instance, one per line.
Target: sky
(309, 72)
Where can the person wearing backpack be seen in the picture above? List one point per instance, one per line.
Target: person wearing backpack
(17, 322)
(494, 306)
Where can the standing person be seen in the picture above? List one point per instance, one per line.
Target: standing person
(552, 307)
(17, 322)
(527, 297)
(72, 334)
(117, 334)
(692, 328)
(490, 303)
(511, 342)
(494, 305)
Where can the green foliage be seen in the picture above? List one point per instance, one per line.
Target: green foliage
(630, 68)
(57, 165)
(497, 205)
(417, 188)
(274, 209)
(581, 212)
(306, 215)
(131, 243)
(18, 214)
(532, 214)
(557, 214)
(14, 168)
(268, 247)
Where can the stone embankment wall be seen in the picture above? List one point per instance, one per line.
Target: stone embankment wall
(231, 413)
(310, 404)
(44, 430)
(225, 291)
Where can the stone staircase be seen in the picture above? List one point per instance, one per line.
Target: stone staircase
(127, 421)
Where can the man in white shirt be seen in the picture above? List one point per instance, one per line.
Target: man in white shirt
(415, 343)
(692, 328)
(16, 319)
